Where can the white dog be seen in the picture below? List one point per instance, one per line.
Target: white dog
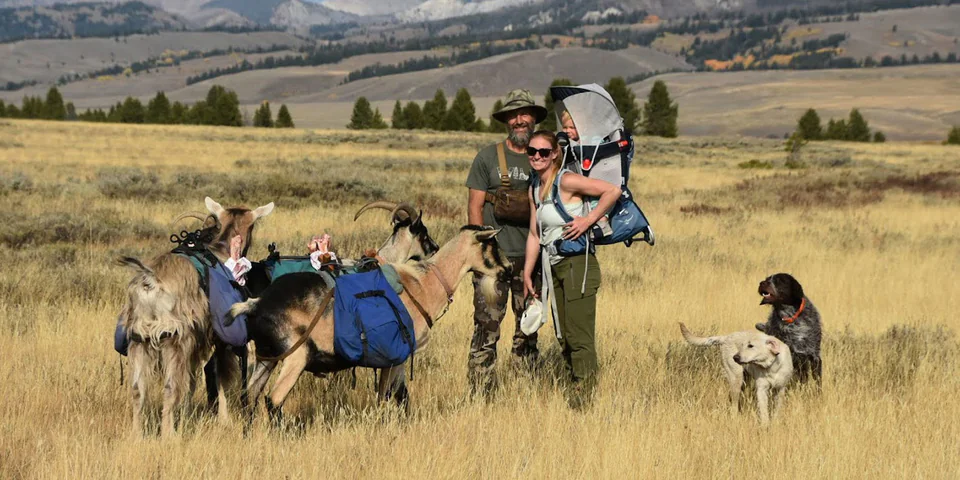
(763, 357)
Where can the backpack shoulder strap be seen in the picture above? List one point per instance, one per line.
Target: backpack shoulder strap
(535, 188)
(502, 159)
(557, 202)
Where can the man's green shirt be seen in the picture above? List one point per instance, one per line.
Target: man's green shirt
(485, 176)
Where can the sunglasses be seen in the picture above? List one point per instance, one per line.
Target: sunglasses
(544, 152)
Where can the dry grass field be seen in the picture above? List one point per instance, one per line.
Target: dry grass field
(871, 231)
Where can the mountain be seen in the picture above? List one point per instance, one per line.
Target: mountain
(84, 20)
(299, 16)
(440, 9)
(370, 7)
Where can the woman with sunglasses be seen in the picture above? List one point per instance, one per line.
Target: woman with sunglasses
(573, 280)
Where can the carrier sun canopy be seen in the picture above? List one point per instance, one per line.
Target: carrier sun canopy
(593, 112)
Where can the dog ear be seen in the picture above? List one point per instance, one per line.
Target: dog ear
(774, 346)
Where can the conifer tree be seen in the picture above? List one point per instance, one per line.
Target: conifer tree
(377, 122)
(659, 113)
(435, 111)
(626, 102)
(71, 112)
(462, 115)
(879, 137)
(550, 123)
(836, 130)
(396, 118)
(809, 125)
(131, 111)
(158, 109)
(263, 117)
(953, 138)
(3, 109)
(857, 128)
(362, 116)
(284, 120)
(53, 108)
(178, 113)
(496, 126)
(413, 115)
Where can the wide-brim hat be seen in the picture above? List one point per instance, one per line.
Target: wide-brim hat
(516, 100)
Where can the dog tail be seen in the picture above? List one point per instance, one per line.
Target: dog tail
(242, 308)
(699, 341)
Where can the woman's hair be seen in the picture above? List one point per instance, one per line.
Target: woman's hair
(557, 161)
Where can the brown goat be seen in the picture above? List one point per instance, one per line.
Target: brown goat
(168, 323)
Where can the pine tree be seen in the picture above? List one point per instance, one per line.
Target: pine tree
(836, 130)
(626, 102)
(12, 111)
(435, 111)
(71, 112)
(53, 108)
(222, 108)
(879, 137)
(550, 123)
(413, 115)
(131, 111)
(177, 113)
(284, 120)
(263, 117)
(397, 119)
(197, 114)
(377, 122)
(462, 115)
(3, 109)
(496, 126)
(158, 109)
(362, 116)
(857, 128)
(659, 113)
(809, 125)
(953, 138)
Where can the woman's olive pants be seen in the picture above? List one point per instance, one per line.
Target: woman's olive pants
(577, 313)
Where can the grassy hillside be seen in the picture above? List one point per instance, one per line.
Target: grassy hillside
(870, 230)
(904, 102)
(48, 60)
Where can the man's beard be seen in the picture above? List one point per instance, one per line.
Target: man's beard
(520, 138)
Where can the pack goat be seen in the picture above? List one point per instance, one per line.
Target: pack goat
(410, 239)
(282, 315)
(167, 319)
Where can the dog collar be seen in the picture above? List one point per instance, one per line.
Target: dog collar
(803, 303)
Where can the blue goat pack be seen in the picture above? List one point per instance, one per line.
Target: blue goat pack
(371, 326)
(223, 294)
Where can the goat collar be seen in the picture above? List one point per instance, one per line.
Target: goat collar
(803, 304)
(446, 286)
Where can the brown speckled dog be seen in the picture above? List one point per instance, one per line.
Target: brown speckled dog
(795, 321)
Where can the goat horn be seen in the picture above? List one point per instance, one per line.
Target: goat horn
(388, 206)
(197, 215)
(407, 208)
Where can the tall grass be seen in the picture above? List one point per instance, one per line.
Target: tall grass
(873, 239)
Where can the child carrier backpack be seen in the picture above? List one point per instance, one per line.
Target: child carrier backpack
(605, 152)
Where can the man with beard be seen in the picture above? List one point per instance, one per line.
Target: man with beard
(520, 113)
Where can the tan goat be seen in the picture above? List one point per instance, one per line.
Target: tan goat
(167, 320)
(277, 321)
